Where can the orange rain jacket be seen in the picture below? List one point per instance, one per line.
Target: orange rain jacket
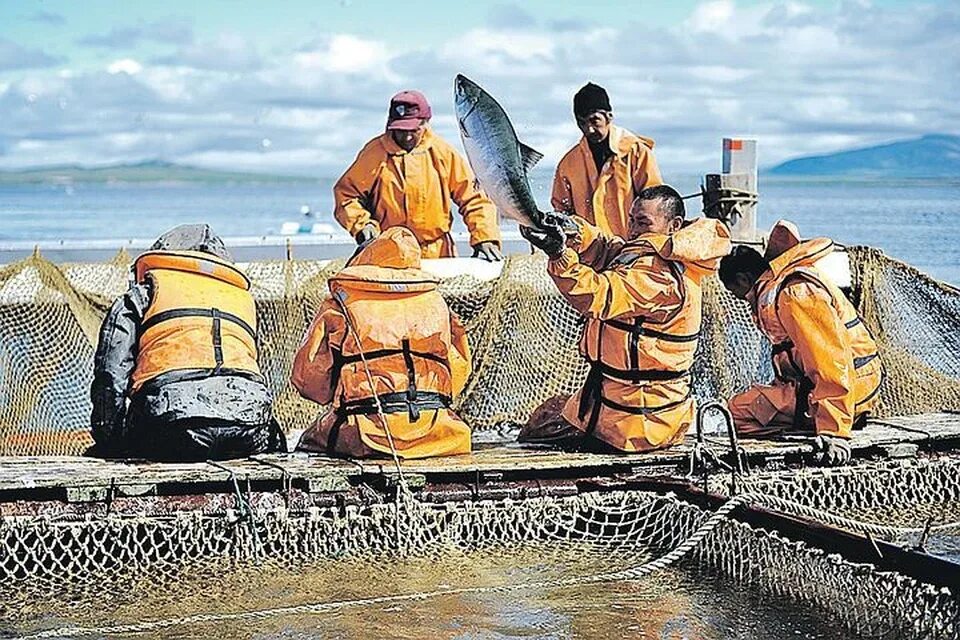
(181, 331)
(642, 300)
(579, 189)
(415, 348)
(826, 365)
(390, 187)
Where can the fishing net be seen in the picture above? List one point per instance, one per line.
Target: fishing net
(597, 538)
(523, 335)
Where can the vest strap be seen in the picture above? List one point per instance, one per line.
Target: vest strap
(637, 329)
(197, 312)
(644, 411)
(396, 402)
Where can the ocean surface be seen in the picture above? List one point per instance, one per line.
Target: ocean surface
(915, 221)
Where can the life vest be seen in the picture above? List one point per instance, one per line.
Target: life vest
(404, 331)
(637, 395)
(786, 363)
(201, 320)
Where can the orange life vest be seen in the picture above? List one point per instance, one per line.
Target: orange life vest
(866, 360)
(201, 317)
(637, 394)
(406, 354)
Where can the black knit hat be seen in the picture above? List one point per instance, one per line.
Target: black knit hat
(591, 98)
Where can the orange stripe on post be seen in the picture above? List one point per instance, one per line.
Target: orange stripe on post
(736, 145)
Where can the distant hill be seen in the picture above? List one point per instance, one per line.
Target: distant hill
(153, 171)
(932, 156)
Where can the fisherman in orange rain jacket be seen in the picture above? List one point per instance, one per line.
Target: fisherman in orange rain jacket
(387, 325)
(826, 365)
(176, 375)
(642, 301)
(599, 178)
(407, 177)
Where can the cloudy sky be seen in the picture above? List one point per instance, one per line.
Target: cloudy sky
(299, 86)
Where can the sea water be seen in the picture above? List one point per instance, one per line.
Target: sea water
(915, 221)
(675, 603)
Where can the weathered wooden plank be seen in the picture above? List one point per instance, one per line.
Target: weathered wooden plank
(84, 477)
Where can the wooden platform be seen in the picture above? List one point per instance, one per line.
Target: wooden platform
(75, 485)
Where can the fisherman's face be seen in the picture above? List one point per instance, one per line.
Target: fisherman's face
(596, 126)
(407, 140)
(646, 217)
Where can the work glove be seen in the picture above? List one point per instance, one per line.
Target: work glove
(367, 234)
(488, 251)
(564, 221)
(831, 451)
(550, 240)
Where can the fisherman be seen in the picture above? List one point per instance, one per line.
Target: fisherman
(176, 375)
(389, 355)
(599, 178)
(825, 362)
(408, 176)
(642, 302)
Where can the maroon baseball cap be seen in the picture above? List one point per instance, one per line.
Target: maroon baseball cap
(407, 109)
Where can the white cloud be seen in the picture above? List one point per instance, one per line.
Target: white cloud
(802, 79)
(128, 66)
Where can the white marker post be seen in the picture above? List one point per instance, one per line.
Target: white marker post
(732, 195)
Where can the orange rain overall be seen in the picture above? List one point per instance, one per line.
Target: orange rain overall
(578, 187)
(827, 369)
(387, 186)
(415, 349)
(642, 301)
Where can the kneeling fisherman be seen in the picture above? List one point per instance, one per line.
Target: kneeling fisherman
(389, 355)
(826, 365)
(642, 301)
(176, 375)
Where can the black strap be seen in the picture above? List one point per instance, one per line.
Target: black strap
(591, 392)
(635, 344)
(385, 353)
(411, 382)
(196, 312)
(217, 342)
(644, 411)
(863, 360)
(188, 375)
(639, 375)
(802, 403)
(853, 323)
(396, 402)
(780, 347)
(637, 329)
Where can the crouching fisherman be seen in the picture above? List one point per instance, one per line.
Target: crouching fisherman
(176, 375)
(826, 366)
(389, 355)
(642, 301)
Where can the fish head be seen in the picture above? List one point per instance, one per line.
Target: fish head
(466, 94)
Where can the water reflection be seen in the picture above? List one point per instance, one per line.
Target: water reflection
(675, 603)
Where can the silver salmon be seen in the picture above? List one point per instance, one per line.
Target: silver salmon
(497, 158)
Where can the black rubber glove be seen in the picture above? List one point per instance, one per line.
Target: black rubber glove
(564, 221)
(488, 251)
(550, 240)
(831, 451)
(366, 234)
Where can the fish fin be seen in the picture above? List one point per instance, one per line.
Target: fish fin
(529, 156)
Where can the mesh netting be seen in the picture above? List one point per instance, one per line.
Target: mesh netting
(523, 336)
(619, 535)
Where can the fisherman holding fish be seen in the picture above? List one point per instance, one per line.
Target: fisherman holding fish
(642, 300)
(599, 178)
(407, 177)
(641, 295)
